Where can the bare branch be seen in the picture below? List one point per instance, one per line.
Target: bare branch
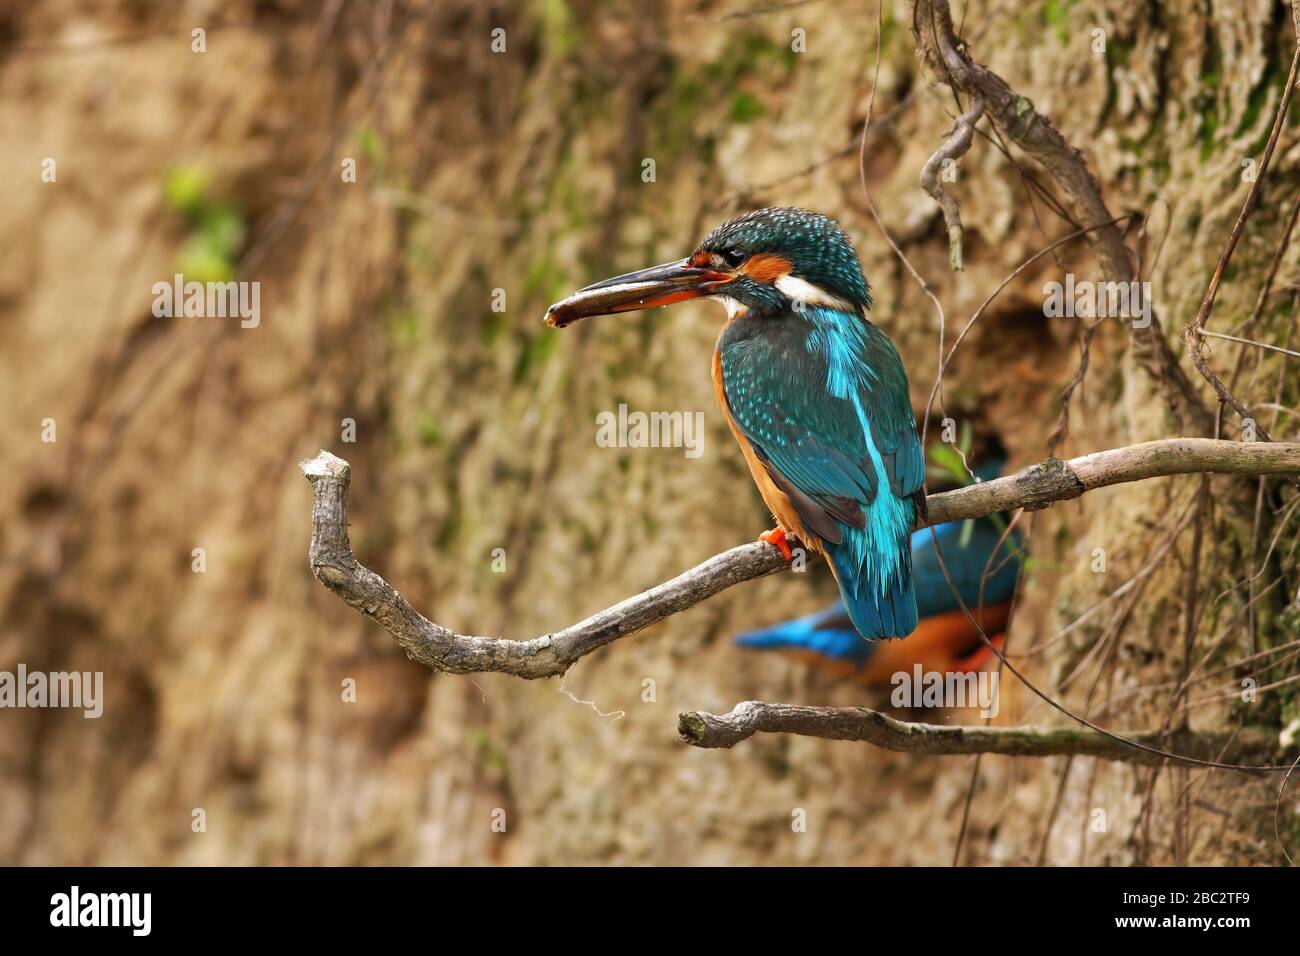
(552, 654)
(953, 149)
(1055, 480)
(860, 723)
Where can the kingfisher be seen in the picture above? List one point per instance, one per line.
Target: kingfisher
(815, 394)
(984, 565)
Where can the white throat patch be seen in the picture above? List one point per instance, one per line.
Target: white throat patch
(801, 290)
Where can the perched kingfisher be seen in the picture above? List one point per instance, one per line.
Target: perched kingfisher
(815, 394)
(945, 639)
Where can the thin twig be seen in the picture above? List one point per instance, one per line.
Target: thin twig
(953, 149)
(1252, 342)
(1195, 333)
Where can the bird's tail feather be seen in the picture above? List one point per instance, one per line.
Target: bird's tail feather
(878, 609)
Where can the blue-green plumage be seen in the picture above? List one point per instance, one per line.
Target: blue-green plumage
(822, 397)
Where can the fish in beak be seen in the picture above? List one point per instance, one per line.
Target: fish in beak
(650, 288)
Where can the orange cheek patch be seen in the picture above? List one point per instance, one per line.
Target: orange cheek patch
(766, 267)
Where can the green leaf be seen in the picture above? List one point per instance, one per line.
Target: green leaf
(185, 189)
(745, 108)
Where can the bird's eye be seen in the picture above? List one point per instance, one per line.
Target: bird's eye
(734, 257)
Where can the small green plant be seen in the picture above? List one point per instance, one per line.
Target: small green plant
(217, 227)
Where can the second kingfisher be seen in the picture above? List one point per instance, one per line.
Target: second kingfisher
(815, 394)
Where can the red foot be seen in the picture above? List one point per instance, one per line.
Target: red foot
(776, 538)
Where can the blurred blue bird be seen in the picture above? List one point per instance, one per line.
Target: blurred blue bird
(945, 639)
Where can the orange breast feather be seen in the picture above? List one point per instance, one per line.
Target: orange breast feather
(776, 500)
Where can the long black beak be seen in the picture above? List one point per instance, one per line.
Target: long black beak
(647, 289)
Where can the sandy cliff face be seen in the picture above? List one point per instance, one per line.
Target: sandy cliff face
(475, 429)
